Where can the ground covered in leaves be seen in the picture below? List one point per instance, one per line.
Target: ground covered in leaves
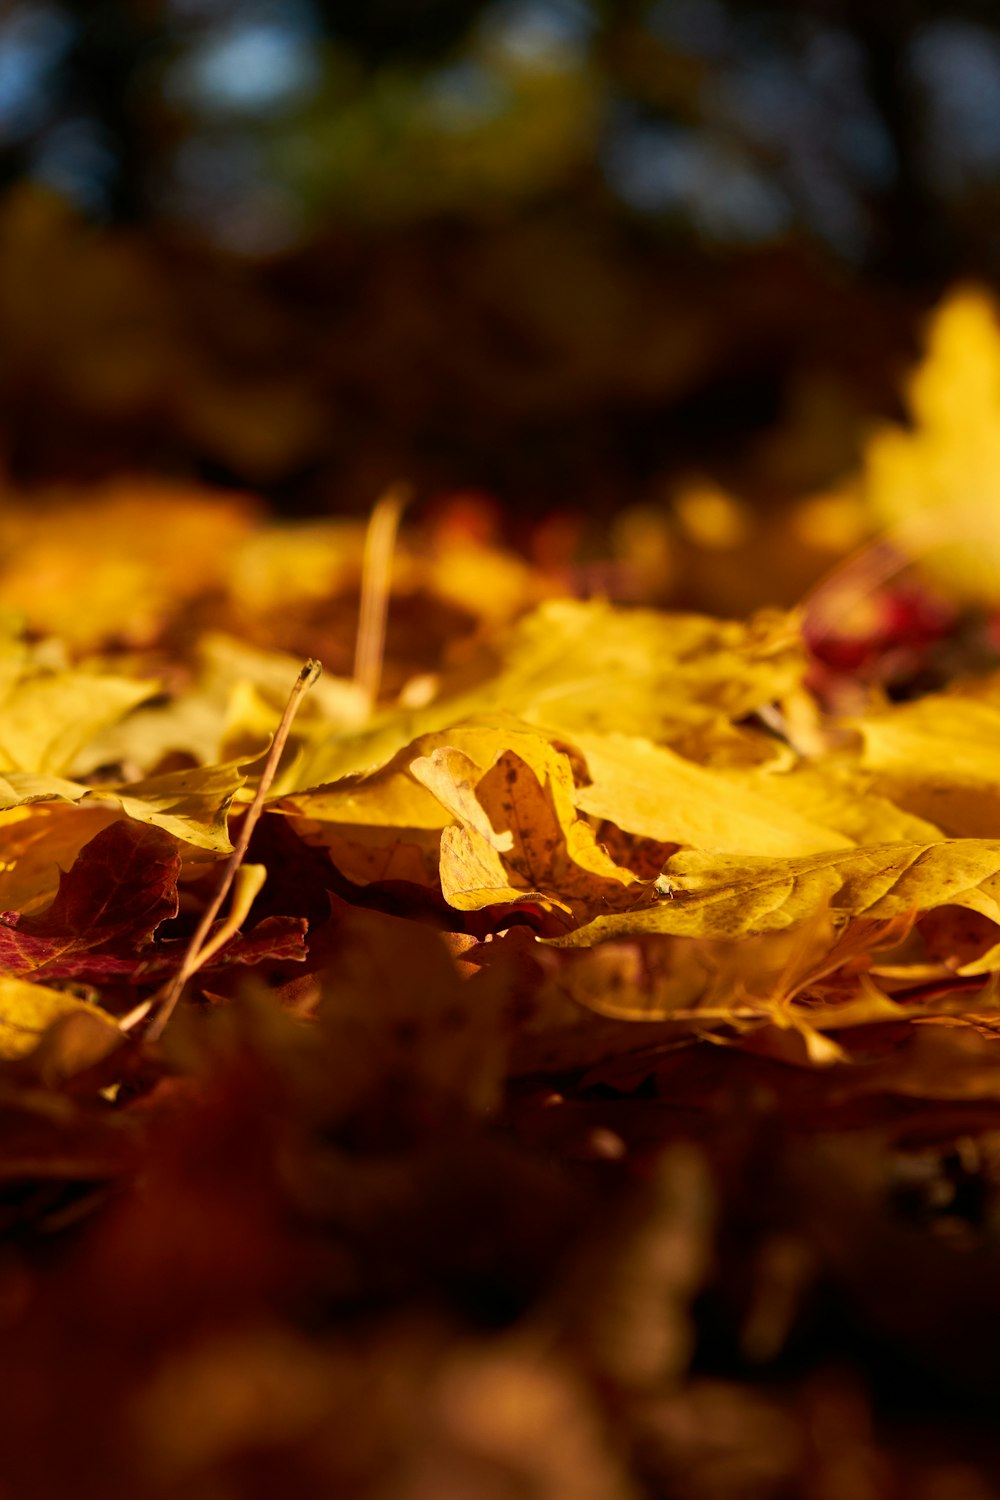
(591, 1085)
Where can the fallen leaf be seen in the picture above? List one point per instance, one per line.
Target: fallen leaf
(936, 758)
(837, 797)
(191, 805)
(536, 848)
(27, 1010)
(122, 885)
(650, 790)
(48, 718)
(453, 778)
(932, 481)
(724, 896)
(121, 563)
(571, 665)
(39, 840)
(589, 666)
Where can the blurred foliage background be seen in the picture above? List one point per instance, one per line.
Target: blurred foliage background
(559, 251)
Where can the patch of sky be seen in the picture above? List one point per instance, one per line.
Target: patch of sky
(833, 66)
(957, 66)
(464, 97)
(33, 41)
(807, 115)
(542, 34)
(251, 65)
(763, 96)
(663, 169)
(77, 160)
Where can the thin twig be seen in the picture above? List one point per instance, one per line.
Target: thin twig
(164, 1003)
(376, 583)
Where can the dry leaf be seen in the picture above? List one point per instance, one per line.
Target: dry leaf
(27, 1010)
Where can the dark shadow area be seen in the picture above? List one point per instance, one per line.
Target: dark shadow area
(557, 250)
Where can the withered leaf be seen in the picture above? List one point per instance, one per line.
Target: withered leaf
(48, 718)
(39, 841)
(575, 665)
(936, 757)
(191, 805)
(120, 888)
(536, 845)
(587, 665)
(122, 885)
(119, 564)
(453, 778)
(27, 1010)
(273, 940)
(929, 480)
(727, 896)
(650, 790)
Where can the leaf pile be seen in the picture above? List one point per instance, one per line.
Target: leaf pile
(593, 1088)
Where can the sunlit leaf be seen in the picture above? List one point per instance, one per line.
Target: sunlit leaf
(836, 797)
(453, 779)
(121, 887)
(726, 896)
(117, 565)
(48, 718)
(934, 482)
(937, 757)
(650, 790)
(573, 666)
(192, 805)
(536, 844)
(589, 666)
(27, 1010)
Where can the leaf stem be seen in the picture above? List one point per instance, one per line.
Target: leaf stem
(197, 950)
(376, 584)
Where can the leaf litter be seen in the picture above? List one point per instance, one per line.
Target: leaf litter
(560, 1060)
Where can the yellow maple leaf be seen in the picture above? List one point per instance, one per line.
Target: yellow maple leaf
(118, 564)
(730, 896)
(937, 757)
(647, 789)
(47, 718)
(27, 1010)
(386, 824)
(935, 484)
(587, 665)
(531, 842)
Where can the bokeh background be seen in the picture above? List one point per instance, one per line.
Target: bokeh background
(558, 252)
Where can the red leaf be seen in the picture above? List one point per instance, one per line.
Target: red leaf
(123, 884)
(274, 940)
